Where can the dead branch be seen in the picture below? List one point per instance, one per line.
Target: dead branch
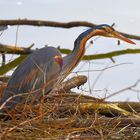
(56, 24)
(125, 89)
(72, 97)
(104, 108)
(46, 23)
(129, 106)
(87, 122)
(71, 83)
(111, 54)
(9, 49)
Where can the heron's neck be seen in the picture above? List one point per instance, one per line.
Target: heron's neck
(74, 58)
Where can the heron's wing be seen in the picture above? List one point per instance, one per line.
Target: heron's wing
(38, 72)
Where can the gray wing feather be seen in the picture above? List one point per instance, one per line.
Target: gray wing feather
(38, 68)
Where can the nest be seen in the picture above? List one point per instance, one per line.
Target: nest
(69, 115)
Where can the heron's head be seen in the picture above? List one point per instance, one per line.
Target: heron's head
(108, 31)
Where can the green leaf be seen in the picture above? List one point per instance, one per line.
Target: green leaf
(4, 69)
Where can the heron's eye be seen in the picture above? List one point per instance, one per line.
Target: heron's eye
(108, 29)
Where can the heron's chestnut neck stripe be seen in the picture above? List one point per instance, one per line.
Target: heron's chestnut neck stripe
(79, 48)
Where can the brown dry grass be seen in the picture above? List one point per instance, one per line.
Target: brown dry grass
(60, 117)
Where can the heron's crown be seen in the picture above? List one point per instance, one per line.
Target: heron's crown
(105, 27)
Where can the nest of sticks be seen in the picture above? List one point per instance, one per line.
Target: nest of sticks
(67, 115)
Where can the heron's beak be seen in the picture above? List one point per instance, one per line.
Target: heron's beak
(121, 37)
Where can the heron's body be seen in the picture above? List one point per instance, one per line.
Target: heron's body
(40, 71)
(41, 74)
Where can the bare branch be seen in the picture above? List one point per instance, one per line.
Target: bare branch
(71, 83)
(56, 24)
(111, 54)
(9, 49)
(46, 23)
(125, 89)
